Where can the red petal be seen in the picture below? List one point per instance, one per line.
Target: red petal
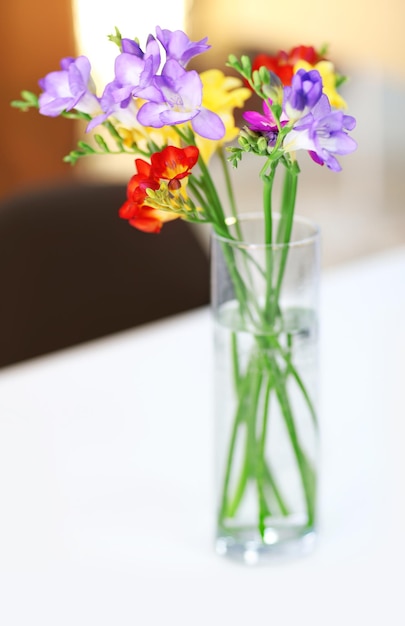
(174, 162)
(147, 224)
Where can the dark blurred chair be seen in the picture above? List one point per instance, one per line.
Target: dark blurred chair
(71, 270)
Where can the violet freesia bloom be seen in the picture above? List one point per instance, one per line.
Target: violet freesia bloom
(179, 47)
(264, 123)
(152, 51)
(179, 101)
(304, 93)
(134, 73)
(70, 88)
(323, 132)
(133, 77)
(125, 115)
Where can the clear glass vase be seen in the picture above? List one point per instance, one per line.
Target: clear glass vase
(265, 306)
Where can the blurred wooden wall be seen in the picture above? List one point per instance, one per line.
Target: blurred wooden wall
(358, 36)
(34, 36)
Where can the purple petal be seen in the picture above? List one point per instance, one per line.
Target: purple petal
(52, 106)
(131, 47)
(150, 114)
(170, 117)
(72, 87)
(208, 125)
(303, 95)
(179, 47)
(349, 122)
(128, 69)
(339, 143)
(179, 87)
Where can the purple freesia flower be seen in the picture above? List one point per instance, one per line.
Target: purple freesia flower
(152, 51)
(70, 88)
(133, 77)
(264, 123)
(125, 115)
(303, 95)
(134, 73)
(179, 101)
(179, 47)
(323, 132)
(171, 97)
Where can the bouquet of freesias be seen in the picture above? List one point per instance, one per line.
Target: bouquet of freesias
(173, 120)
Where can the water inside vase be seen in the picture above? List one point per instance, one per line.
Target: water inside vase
(266, 432)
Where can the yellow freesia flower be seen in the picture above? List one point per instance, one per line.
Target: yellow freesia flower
(328, 75)
(221, 94)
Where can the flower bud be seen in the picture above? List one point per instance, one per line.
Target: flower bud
(262, 144)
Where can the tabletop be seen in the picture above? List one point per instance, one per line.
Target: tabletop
(106, 476)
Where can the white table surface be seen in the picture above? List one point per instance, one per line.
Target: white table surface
(106, 512)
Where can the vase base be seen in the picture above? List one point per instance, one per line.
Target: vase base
(253, 551)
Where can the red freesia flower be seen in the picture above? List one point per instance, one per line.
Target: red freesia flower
(171, 164)
(282, 63)
(134, 209)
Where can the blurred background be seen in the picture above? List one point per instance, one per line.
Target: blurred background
(360, 210)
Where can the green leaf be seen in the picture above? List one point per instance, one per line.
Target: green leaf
(323, 51)
(117, 38)
(340, 80)
(87, 149)
(264, 74)
(246, 65)
(30, 100)
(73, 156)
(236, 156)
(234, 62)
(30, 97)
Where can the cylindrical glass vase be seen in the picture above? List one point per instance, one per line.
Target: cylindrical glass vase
(265, 306)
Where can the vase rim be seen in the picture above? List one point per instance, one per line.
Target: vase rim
(255, 216)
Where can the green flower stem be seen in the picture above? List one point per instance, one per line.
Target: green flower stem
(208, 185)
(264, 510)
(212, 204)
(254, 391)
(230, 192)
(285, 228)
(268, 181)
(235, 362)
(255, 464)
(306, 472)
(250, 406)
(263, 473)
(250, 387)
(287, 202)
(268, 475)
(240, 417)
(294, 373)
(200, 200)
